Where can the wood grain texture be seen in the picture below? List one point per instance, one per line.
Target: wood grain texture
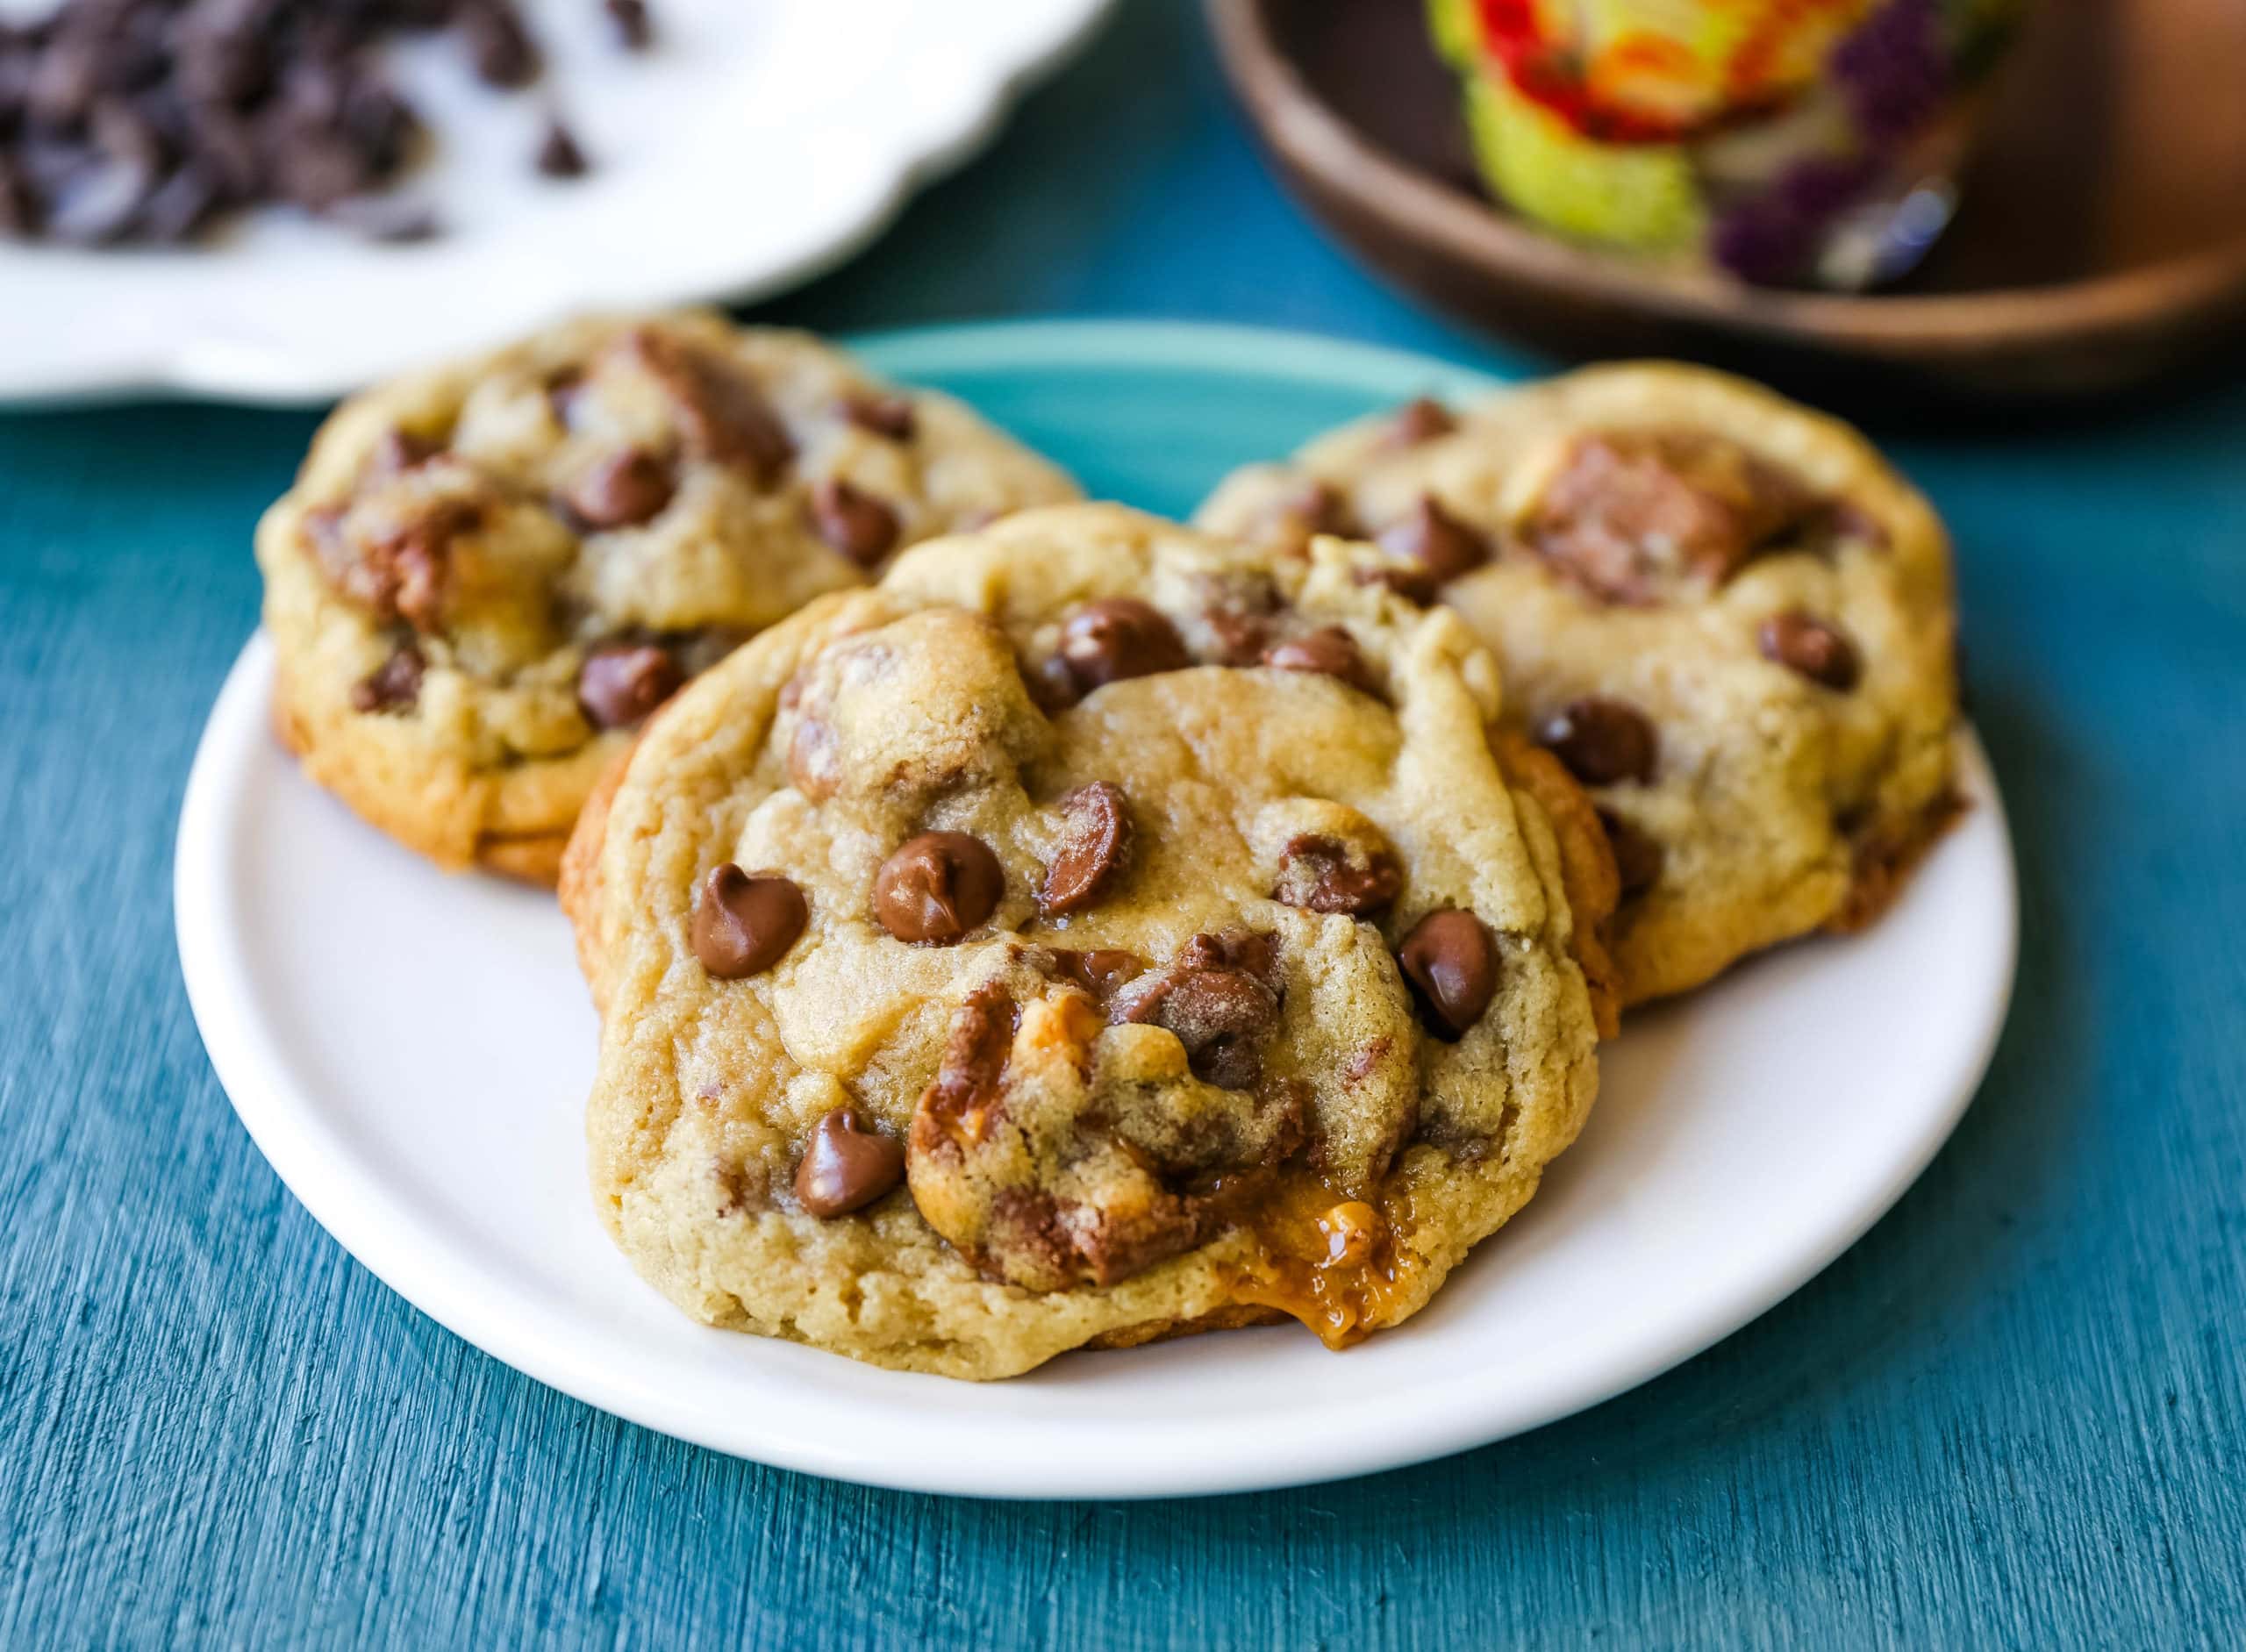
(2012, 1416)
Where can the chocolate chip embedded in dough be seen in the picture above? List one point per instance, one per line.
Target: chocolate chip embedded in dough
(1331, 652)
(618, 686)
(1637, 855)
(890, 416)
(1602, 740)
(1452, 965)
(395, 685)
(745, 923)
(623, 489)
(847, 1166)
(853, 521)
(1810, 646)
(1117, 637)
(1095, 835)
(937, 887)
(1435, 539)
(1422, 418)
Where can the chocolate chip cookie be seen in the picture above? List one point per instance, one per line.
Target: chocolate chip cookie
(488, 575)
(1726, 615)
(1097, 931)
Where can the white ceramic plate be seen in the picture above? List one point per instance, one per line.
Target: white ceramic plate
(759, 142)
(411, 1051)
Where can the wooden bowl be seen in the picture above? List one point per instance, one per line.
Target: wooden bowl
(2099, 245)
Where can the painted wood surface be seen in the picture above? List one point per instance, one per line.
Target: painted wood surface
(2014, 1415)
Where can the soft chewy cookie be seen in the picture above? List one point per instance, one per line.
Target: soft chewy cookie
(487, 575)
(1726, 615)
(1097, 931)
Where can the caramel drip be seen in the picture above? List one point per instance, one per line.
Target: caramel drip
(1335, 1262)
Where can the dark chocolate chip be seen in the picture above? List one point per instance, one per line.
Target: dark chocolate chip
(1452, 965)
(937, 887)
(1602, 740)
(618, 686)
(853, 521)
(1117, 637)
(1315, 873)
(744, 925)
(847, 1166)
(1330, 652)
(1422, 418)
(623, 490)
(1095, 835)
(1435, 539)
(634, 30)
(1637, 855)
(890, 416)
(1809, 646)
(499, 43)
(559, 153)
(395, 685)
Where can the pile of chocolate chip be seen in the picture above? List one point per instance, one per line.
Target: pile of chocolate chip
(149, 119)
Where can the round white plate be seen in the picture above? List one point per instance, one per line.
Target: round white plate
(759, 142)
(411, 1051)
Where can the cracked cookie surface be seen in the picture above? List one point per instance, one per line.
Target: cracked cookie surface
(487, 575)
(1726, 614)
(1174, 951)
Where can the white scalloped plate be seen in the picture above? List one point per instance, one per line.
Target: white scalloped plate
(411, 1051)
(759, 142)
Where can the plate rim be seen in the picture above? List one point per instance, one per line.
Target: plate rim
(362, 1214)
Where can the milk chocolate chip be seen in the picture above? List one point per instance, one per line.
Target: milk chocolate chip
(1316, 874)
(1600, 740)
(1220, 998)
(394, 685)
(1117, 637)
(618, 686)
(936, 887)
(1815, 649)
(1422, 418)
(889, 416)
(744, 925)
(1331, 652)
(622, 490)
(847, 1166)
(1437, 540)
(1452, 964)
(853, 521)
(1095, 833)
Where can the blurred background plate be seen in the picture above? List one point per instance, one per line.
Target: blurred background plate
(2100, 241)
(754, 145)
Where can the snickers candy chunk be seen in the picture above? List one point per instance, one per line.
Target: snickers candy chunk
(488, 576)
(1034, 950)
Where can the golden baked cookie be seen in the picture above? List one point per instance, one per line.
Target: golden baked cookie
(487, 575)
(1726, 615)
(1096, 932)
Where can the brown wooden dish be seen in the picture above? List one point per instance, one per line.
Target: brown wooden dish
(2099, 245)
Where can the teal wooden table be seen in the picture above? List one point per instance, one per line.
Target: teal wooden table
(2014, 1415)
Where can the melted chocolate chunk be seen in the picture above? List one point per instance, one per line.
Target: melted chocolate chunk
(1095, 835)
(1602, 742)
(1315, 873)
(1219, 997)
(722, 413)
(937, 887)
(744, 924)
(847, 1166)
